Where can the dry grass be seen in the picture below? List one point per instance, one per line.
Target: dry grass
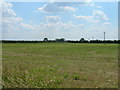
(60, 65)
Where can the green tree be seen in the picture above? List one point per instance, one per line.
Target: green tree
(45, 39)
(82, 40)
(60, 40)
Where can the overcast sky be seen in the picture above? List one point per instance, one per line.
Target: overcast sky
(69, 20)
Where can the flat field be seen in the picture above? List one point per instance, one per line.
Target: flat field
(59, 65)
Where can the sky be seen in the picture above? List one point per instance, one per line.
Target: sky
(69, 20)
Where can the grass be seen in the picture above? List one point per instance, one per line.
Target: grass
(60, 65)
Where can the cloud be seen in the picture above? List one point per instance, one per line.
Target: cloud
(67, 8)
(53, 18)
(12, 20)
(91, 4)
(100, 14)
(106, 23)
(83, 17)
(56, 7)
(6, 9)
(59, 29)
(68, 30)
(8, 15)
(27, 26)
(98, 7)
(86, 18)
(97, 16)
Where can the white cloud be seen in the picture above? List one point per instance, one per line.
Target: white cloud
(68, 30)
(28, 26)
(81, 25)
(87, 18)
(6, 9)
(9, 15)
(98, 7)
(106, 23)
(53, 18)
(12, 20)
(83, 17)
(56, 30)
(100, 14)
(68, 8)
(56, 7)
(97, 16)
(91, 4)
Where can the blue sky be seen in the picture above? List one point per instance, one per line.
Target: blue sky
(37, 20)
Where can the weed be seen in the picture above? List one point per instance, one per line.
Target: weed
(76, 77)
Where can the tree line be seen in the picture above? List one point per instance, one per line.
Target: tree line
(62, 40)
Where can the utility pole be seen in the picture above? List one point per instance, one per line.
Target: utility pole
(104, 37)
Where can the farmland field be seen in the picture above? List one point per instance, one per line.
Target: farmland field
(60, 65)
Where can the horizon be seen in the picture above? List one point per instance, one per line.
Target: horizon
(57, 38)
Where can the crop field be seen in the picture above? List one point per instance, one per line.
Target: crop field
(59, 65)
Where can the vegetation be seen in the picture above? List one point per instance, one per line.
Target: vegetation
(60, 65)
(62, 40)
(45, 40)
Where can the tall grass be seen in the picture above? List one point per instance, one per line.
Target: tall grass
(60, 65)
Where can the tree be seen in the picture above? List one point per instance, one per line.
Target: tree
(82, 40)
(60, 40)
(45, 39)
